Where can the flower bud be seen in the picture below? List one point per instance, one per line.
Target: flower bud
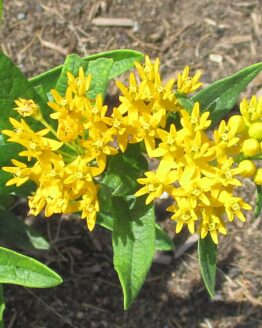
(258, 177)
(255, 131)
(250, 147)
(236, 123)
(248, 168)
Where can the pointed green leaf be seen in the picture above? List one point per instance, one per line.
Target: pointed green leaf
(99, 70)
(133, 244)
(124, 170)
(258, 201)
(207, 252)
(14, 85)
(220, 96)
(2, 306)
(25, 271)
(123, 60)
(162, 242)
(72, 65)
(15, 232)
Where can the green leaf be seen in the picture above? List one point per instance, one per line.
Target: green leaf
(207, 252)
(133, 244)
(123, 60)
(25, 271)
(99, 69)
(14, 85)
(162, 242)
(220, 96)
(124, 170)
(2, 306)
(72, 65)
(6, 201)
(17, 233)
(258, 201)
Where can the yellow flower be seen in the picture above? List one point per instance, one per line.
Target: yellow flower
(187, 84)
(225, 136)
(224, 174)
(146, 129)
(27, 107)
(233, 206)
(212, 224)
(78, 175)
(68, 129)
(81, 84)
(120, 128)
(195, 121)
(193, 187)
(155, 184)
(20, 171)
(251, 111)
(89, 206)
(35, 142)
(183, 214)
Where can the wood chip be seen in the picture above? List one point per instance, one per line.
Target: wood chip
(54, 46)
(188, 244)
(236, 39)
(216, 58)
(124, 22)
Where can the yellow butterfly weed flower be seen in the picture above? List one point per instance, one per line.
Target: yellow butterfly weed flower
(212, 224)
(233, 205)
(155, 184)
(27, 107)
(195, 121)
(79, 85)
(184, 214)
(187, 84)
(251, 111)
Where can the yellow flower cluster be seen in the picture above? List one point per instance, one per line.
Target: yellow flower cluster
(65, 162)
(196, 170)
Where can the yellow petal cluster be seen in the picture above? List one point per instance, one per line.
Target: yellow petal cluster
(198, 170)
(64, 162)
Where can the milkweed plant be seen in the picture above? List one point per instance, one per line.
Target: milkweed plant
(66, 150)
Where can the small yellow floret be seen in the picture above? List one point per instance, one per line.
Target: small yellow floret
(27, 107)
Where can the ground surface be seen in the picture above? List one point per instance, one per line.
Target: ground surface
(219, 37)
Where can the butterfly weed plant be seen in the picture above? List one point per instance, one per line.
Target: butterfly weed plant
(65, 150)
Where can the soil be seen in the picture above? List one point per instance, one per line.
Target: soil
(219, 37)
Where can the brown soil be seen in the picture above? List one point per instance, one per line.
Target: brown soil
(219, 37)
